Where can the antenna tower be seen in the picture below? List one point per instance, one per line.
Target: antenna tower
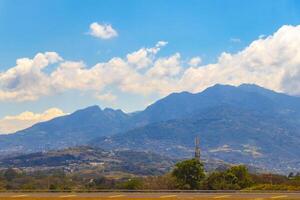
(197, 148)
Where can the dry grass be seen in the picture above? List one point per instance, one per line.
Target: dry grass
(136, 198)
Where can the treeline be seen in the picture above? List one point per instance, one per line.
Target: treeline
(187, 175)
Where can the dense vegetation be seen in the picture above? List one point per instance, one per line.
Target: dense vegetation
(188, 174)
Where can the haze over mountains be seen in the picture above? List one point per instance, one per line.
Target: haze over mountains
(245, 124)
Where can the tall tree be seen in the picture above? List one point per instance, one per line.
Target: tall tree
(189, 174)
(242, 174)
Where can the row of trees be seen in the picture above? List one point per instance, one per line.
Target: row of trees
(188, 175)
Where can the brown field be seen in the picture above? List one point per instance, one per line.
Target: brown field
(148, 196)
(127, 198)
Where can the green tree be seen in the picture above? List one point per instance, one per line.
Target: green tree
(131, 184)
(221, 181)
(189, 174)
(235, 178)
(242, 174)
(215, 181)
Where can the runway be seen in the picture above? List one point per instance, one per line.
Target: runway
(148, 196)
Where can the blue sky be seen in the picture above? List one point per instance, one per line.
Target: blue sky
(202, 29)
(192, 27)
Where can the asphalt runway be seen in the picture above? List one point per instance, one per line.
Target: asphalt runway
(149, 195)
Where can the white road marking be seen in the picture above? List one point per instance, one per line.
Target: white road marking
(279, 197)
(116, 196)
(20, 195)
(221, 197)
(168, 196)
(70, 195)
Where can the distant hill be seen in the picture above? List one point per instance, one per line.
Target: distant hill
(247, 124)
(84, 158)
(71, 130)
(87, 158)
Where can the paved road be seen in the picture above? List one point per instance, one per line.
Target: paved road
(140, 195)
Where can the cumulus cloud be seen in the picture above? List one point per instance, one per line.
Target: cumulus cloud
(144, 56)
(102, 31)
(195, 61)
(166, 67)
(107, 97)
(272, 62)
(26, 81)
(29, 80)
(11, 124)
(139, 58)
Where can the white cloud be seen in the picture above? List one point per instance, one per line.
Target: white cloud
(272, 62)
(143, 57)
(26, 81)
(11, 124)
(166, 67)
(139, 58)
(261, 36)
(103, 31)
(195, 61)
(107, 97)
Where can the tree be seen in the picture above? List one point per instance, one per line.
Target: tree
(235, 178)
(221, 181)
(131, 184)
(189, 174)
(100, 182)
(243, 177)
(10, 174)
(291, 175)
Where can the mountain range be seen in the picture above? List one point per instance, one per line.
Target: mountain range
(245, 124)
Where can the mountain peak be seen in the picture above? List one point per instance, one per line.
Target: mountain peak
(219, 87)
(246, 87)
(259, 89)
(243, 86)
(114, 113)
(252, 86)
(112, 110)
(93, 107)
(89, 109)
